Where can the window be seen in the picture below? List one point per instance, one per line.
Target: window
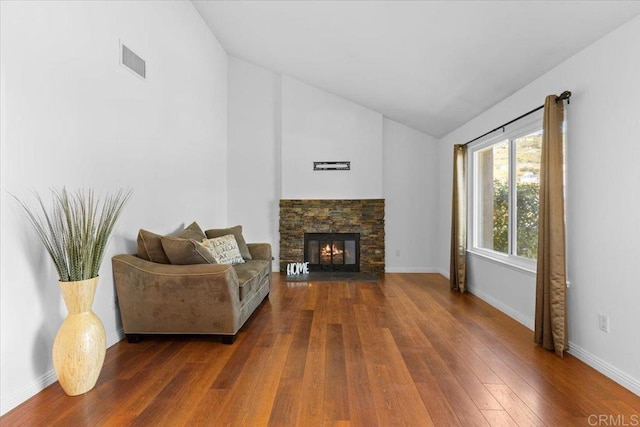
(505, 180)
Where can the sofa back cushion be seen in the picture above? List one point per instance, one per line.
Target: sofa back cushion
(193, 231)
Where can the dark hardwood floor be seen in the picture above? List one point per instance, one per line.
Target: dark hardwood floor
(404, 351)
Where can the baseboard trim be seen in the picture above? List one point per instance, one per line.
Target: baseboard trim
(516, 315)
(444, 273)
(44, 381)
(116, 337)
(615, 374)
(625, 380)
(410, 270)
(622, 378)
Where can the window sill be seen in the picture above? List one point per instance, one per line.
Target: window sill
(503, 261)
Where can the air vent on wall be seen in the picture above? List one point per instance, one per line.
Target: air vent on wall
(132, 61)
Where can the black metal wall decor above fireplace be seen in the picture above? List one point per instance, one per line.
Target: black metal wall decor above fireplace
(331, 166)
(332, 251)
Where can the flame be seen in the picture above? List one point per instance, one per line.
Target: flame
(329, 249)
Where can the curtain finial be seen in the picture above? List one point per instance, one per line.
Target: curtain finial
(564, 95)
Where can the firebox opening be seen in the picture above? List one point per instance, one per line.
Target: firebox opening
(332, 251)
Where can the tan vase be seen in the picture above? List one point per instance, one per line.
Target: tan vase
(80, 345)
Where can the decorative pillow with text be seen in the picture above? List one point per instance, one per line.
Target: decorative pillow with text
(237, 233)
(224, 249)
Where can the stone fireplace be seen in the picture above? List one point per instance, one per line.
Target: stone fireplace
(364, 217)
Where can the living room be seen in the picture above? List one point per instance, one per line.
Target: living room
(217, 139)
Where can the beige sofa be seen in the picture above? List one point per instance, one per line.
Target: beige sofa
(160, 298)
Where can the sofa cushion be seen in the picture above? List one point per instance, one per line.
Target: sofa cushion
(193, 231)
(237, 233)
(250, 275)
(224, 249)
(186, 251)
(150, 247)
(150, 244)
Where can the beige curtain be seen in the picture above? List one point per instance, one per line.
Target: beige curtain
(551, 286)
(458, 273)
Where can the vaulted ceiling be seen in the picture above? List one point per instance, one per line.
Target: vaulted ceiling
(432, 65)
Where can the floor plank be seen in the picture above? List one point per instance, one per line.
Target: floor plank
(402, 351)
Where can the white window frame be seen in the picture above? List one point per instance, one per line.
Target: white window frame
(514, 131)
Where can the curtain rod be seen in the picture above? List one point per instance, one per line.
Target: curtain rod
(564, 95)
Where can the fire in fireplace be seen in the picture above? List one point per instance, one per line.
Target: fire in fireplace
(332, 251)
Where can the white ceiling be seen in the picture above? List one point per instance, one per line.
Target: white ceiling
(432, 65)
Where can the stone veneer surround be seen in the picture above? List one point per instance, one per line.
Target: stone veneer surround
(364, 216)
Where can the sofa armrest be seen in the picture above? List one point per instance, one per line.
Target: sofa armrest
(162, 298)
(149, 267)
(260, 251)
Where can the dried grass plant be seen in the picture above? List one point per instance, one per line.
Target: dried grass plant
(76, 229)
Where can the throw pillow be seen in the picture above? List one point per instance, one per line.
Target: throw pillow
(193, 231)
(186, 251)
(224, 249)
(237, 233)
(150, 244)
(150, 247)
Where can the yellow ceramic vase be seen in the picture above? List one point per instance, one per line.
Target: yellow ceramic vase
(80, 345)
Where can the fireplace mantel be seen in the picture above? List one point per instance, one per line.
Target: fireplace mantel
(364, 216)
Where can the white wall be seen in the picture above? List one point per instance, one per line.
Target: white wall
(603, 202)
(410, 175)
(72, 116)
(278, 126)
(254, 152)
(319, 126)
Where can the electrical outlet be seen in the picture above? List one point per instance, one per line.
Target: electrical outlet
(398, 252)
(603, 323)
